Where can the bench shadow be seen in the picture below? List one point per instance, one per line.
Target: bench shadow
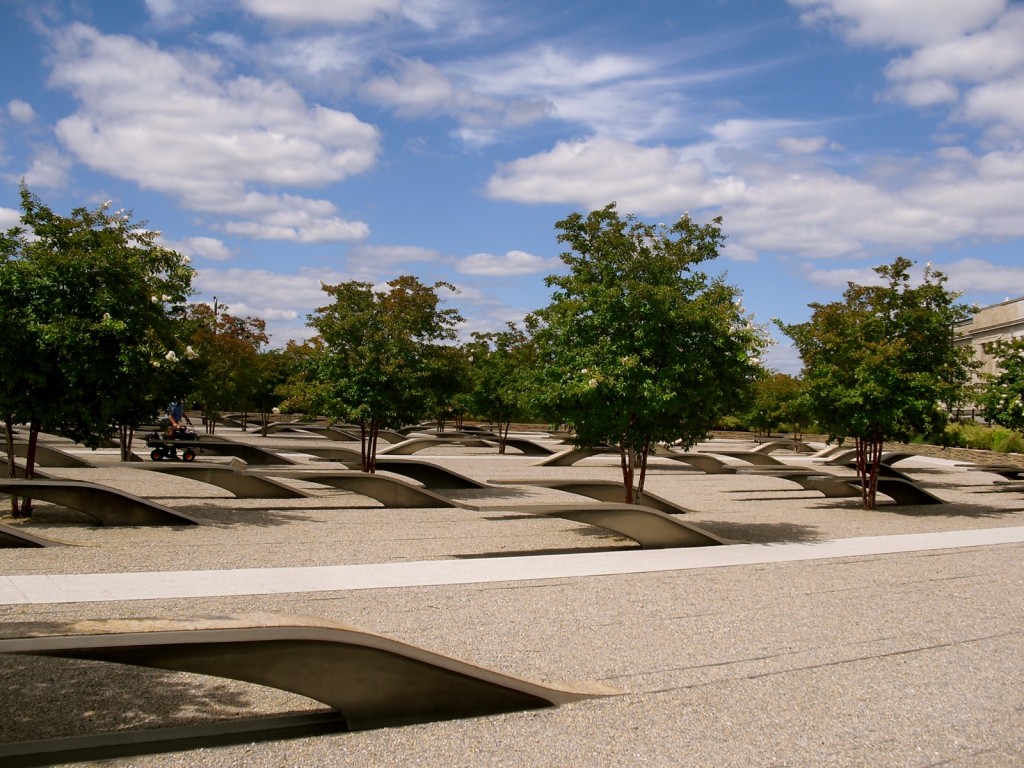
(762, 533)
(100, 709)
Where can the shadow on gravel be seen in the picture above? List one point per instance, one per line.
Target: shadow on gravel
(538, 552)
(949, 509)
(64, 698)
(259, 518)
(762, 533)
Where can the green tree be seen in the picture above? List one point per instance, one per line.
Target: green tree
(378, 354)
(447, 379)
(881, 363)
(638, 346)
(91, 302)
(1002, 396)
(502, 366)
(777, 399)
(300, 390)
(227, 348)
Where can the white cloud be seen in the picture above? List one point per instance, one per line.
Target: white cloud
(319, 12)
(925, 93)
(977, 275)
(450, 15)
(20, 111)
(802, 145)
(48, 170)
(598, 170)
(282, 300)
(511, 263)
(807, 209)
(174, 123)
(9, 217)
(386, 255)
(900, 22)
(968, 57)
(205, 247)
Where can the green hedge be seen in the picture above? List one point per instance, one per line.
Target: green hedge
(978, 436)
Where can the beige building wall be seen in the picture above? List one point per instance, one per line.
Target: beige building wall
(998, 321)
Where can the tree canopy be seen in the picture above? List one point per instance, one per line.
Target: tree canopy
(502, 365)
(881, 363)
(1002, 395)
(379, 354)
(90, 304)
(638, 345)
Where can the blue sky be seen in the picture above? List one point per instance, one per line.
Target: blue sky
(281, 143)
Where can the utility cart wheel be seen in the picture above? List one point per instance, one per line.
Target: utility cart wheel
(188, 455)
(156, 454)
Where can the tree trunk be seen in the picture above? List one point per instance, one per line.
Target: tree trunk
(626, 461)
(869, 462)
(503, 427)
(12, 471)
(368, 444)
(125, 436)
(30, 462)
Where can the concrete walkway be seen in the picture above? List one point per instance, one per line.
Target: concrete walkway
(66, 588)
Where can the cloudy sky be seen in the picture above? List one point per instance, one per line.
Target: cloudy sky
(281, 143)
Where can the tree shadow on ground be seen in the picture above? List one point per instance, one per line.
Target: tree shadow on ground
(254, 516)
(610, 541)
(762, 533)
(55, 698)
(948, 509)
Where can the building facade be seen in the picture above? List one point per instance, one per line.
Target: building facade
(997, 321)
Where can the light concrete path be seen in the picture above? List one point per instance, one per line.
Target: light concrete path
(69, 588)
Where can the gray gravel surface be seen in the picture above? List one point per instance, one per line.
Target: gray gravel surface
(896, 660)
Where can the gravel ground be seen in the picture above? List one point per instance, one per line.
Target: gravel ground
(894, 660)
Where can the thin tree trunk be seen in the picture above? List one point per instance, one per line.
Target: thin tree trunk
(626, 459)
(368, 444)
(12, 468)
(869, 462)
(645, 451)
(503, 427)
(30, 462)
(126, 434)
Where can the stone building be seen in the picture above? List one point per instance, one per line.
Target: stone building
(992, 323)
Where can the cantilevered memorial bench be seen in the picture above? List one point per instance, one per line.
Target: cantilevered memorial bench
(528, 447)
(649, 528)
(901, 491)
(49, 456)
(416, 444)
(15, 537)
(318, 429)
(244, 485)
(751, 457)
(389, 491)
(810, 479)
(330, 453)
(796, 446)
(600, 490)
(250, 454)
(849, 457)
(106, 505)
(1007, 471)
(371, 681)
(573, 455)
(430, 475)
(704, 462)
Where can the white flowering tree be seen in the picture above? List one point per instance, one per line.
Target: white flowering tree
(638, 346)
(1003, 394)
(92, 302)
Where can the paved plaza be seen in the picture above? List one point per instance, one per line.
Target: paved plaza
(825, 636)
